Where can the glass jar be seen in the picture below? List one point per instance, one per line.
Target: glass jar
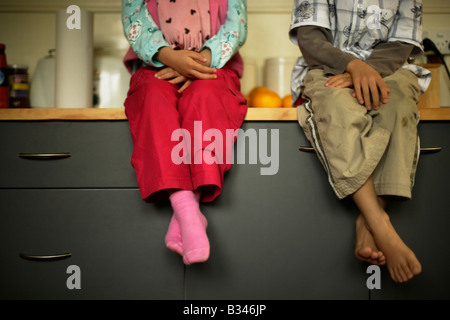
(19, 96)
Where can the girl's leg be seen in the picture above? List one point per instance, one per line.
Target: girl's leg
(188, 228)
(173, 237)
(205, 105)
(152, 111)
(211, 110)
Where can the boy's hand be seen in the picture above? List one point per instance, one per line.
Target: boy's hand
(343, 80)
(368, 84)
(187, 63)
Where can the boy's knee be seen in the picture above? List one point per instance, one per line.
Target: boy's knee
(402, 100)
(403, 85)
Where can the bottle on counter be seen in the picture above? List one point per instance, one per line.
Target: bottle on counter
(4, 83)
(19, 96)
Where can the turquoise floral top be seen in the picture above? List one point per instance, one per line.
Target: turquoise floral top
(146, 38)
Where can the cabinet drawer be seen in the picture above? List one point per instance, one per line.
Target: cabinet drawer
(91, 154)
(115, 238)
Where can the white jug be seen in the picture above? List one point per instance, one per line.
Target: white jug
(42, 89)
(277, 74)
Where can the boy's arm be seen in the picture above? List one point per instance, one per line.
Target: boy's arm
(388, 57)
(318, 51)
(367, 76)
(367, 82)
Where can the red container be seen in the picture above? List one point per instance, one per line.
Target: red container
(4, 86)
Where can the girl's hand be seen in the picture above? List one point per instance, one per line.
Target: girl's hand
(207, 55)
(368, 84)
(185, 85)
(173, 77)
(189, 64)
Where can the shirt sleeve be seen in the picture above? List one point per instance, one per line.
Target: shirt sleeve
(387, 57)
(142, 32)
(231, 35)
(408, 26)
(309, 13)
(318, 51)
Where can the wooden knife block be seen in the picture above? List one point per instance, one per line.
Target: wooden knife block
(432, 97)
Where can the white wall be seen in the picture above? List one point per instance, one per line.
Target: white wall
(27, 27)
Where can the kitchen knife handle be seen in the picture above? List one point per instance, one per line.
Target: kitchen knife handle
(45, 257)
(45, 156)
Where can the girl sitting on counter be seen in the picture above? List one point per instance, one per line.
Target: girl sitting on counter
(186, 68)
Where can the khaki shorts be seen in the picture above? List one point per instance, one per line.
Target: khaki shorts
(354, 144)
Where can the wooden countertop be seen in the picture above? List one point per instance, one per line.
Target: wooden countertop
(253, 114)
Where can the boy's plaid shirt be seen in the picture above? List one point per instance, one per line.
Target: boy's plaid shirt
(357, 26)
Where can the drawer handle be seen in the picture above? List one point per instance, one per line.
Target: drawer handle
(430, 150)
(44, 156)
(45, 257)
(422, 150)
(306, 149)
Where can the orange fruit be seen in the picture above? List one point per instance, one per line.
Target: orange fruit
(261, 97)
(287, 101)
(253, 93)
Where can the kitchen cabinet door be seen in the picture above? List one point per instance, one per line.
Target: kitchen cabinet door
(116, 242)
(424, 221)
(66, 154)
(281, 236)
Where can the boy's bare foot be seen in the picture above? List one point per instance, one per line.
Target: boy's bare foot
(365, 247)
(400, 260)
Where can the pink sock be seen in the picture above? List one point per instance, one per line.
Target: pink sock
(173, 236)
(192, 224)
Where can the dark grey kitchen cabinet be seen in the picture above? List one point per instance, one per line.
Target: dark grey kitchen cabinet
(113, 238)
(65, 154)
(424, 221)
(288, 237)
(68, 187)
(280, 236)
